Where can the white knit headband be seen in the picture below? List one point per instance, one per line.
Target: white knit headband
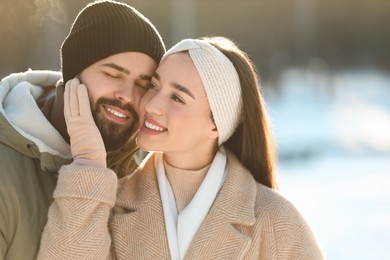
(221, 83)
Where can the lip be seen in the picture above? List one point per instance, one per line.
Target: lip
(117, 119)
(150, 131)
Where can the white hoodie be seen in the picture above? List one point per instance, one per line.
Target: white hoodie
(18, 95)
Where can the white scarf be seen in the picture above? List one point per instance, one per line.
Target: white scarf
(181, 228)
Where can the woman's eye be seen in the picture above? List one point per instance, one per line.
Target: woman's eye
(177, 99)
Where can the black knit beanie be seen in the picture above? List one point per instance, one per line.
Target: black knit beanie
(105, 28)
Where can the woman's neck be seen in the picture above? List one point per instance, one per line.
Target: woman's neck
(184, 183)
(192, 160)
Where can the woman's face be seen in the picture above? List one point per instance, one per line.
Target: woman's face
(175, 115)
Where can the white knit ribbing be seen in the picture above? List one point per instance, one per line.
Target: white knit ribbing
(220, 80)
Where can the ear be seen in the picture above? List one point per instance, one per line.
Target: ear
(213, 133)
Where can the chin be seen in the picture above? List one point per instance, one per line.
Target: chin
(142, 143)
(149, 147)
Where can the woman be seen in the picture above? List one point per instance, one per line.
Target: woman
(209, 191)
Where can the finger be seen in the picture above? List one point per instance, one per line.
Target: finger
(84, 105)
(67, 101)
(74, 101)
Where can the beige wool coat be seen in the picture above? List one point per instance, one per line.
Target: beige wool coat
(246, 221)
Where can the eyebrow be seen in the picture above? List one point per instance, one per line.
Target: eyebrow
(121, 69)
(176, 86)
(117, 67)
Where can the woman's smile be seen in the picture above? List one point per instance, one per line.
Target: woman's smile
(152, 127)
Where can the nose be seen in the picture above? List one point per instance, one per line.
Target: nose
(153, 104)
(126, 93)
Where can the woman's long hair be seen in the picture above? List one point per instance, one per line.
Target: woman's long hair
(252, 142)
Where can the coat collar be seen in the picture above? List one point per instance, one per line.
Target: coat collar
(139, 189)
(137, 219)
(221, 234)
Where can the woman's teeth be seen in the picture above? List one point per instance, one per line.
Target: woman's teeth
(153, 127)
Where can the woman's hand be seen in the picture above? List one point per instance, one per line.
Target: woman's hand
(86, 142)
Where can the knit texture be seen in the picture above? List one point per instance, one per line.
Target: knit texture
(184, 183)
(105, 28)
(221, 82)
(246, 221)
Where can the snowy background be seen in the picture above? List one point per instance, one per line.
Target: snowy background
(333, 135)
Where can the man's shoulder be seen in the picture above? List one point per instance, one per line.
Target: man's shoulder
(9, 153)
(13, 165)
(18, 170)
(25, 196)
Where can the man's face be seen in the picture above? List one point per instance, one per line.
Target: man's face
(115, 86)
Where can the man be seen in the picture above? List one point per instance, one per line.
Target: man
(113, 50)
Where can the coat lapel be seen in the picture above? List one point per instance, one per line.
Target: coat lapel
(138, 227)
(137, 222)
(223, 233)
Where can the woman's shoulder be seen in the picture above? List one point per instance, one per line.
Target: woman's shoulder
(276, 205)
(285, 224)
(267, 200)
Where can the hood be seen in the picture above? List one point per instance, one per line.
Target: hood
(18, 95)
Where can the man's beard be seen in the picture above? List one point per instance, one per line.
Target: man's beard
(114, 135)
